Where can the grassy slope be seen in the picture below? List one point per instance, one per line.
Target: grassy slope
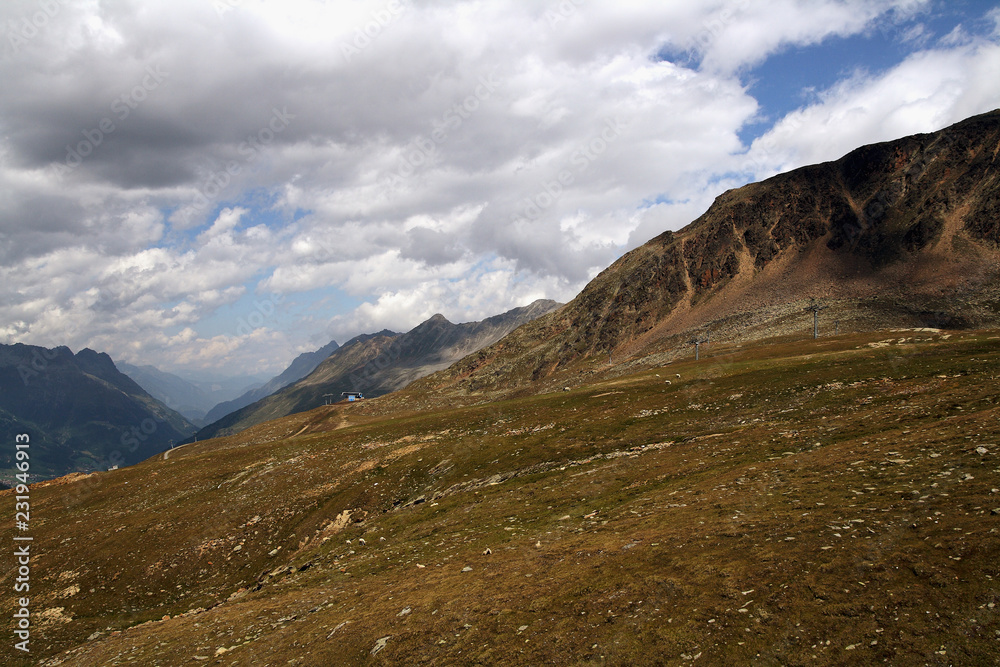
(779, 501)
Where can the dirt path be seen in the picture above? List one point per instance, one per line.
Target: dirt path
(166, 454)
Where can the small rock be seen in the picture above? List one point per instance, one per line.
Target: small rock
(565, 388)
(995, 511)
(405, 611)
(361, 541)
(487, 552)
(334, 631)
(982, 450)
(466, 569)
(421, 566)
(380, 644)
(677, 375)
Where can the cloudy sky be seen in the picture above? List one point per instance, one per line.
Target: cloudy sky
(222, 184)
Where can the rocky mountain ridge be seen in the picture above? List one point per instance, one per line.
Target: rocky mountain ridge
(377, 364)
(301, 366)
(904, 232)
(81, 413)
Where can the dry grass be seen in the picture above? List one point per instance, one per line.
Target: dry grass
(786, 502)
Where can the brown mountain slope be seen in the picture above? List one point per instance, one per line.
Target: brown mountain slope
(380, 363)
(900, 232)
(309, 391)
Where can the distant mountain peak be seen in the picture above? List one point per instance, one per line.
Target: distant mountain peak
(80, 411)
(380, 363)
(300, 367)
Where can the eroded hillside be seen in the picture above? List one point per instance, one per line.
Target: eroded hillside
(904, 232)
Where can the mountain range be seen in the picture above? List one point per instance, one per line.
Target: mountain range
(190, 397)
(901, 233)
(80, 412)
(83, 413)
(584, 489)
(380, 363)
(301, 366)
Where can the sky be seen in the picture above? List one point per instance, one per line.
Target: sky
(220, 185)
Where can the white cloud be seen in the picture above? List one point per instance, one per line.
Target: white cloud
(464, 157)
(917, 35)
(492, 287)
(741, 32)
(929, 90)
(223, 225)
